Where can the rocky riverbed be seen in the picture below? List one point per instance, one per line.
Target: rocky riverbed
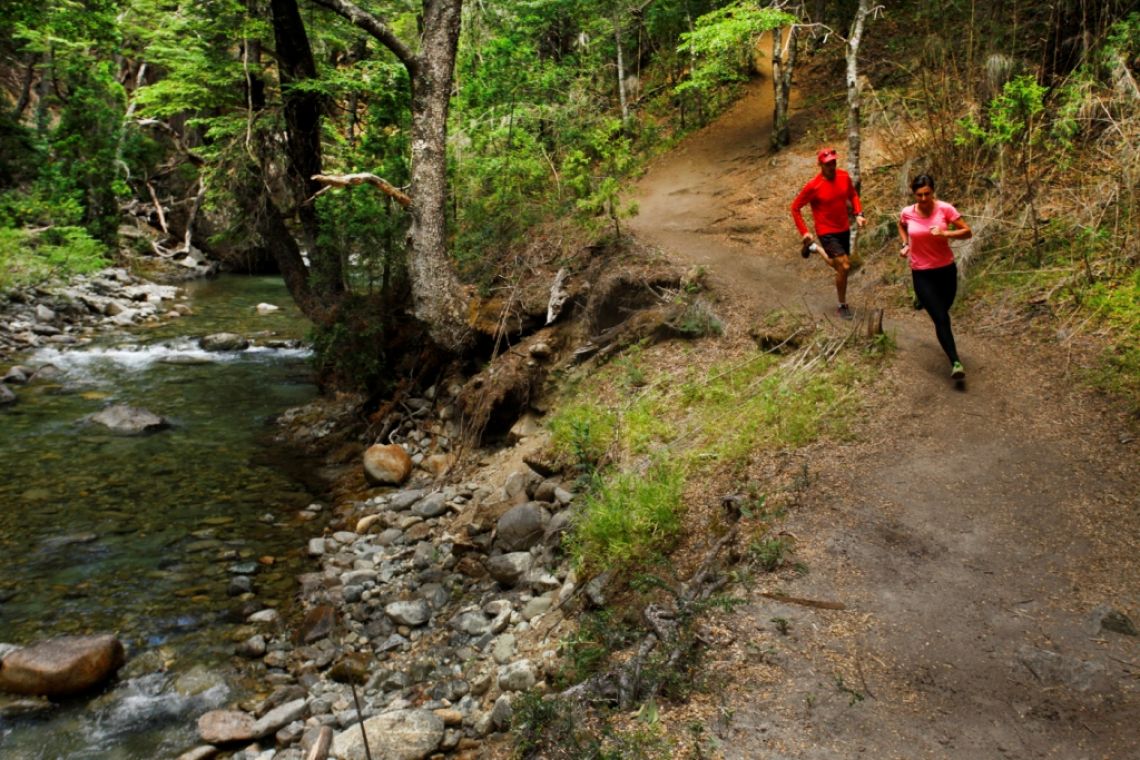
(75, 313)
(432, 609)
(432, 606)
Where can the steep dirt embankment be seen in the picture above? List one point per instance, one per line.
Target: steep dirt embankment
(972, 532)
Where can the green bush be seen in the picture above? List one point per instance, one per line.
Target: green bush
(630, 518)
(28, 257)
(583, 432)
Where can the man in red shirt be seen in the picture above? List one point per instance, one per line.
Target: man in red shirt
(829, 194)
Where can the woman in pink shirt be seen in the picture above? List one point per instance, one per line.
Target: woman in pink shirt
(925, 230)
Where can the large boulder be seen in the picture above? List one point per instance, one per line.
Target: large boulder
(396, 735)
(387, 464)
(129, 420)
(62, 667)
(223, 342)
(521, 527)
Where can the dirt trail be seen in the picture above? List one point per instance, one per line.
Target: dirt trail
(971, 532)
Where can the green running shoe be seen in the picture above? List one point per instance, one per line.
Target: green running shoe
(957, 371)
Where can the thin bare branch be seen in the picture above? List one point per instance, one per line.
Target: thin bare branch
(375, 26)
(364, 178)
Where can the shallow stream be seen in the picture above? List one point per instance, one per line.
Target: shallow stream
(144, 536)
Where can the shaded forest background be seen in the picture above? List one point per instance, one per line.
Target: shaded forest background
(135, 132)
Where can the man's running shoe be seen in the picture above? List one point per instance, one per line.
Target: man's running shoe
(957, 371)
(844, 311)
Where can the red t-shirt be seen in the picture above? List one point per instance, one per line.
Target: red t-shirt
(927, 251)
(828, 201)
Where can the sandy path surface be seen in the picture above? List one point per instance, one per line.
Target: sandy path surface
(972, 532)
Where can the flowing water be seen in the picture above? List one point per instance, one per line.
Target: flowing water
(144, 536)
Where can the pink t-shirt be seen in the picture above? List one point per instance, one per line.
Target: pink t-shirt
(927, 251)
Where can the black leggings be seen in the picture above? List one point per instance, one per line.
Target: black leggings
(935, 289)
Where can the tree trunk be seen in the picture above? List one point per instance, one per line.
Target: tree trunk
(302, 112)
(620, 69)
(437, 297)
(26, 85)
(854, 96)
(258, 206)
(435, 288)
(783, 67)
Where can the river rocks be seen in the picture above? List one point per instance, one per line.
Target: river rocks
(317, 624)
(422, 620)
(61, 667)
(432, 505)
(6, 396)
(266, 308)
(396, 735)
(511, 568)
(280, 716)
(226, 727)
(521, 527)
(23, 707)
(72, 313)
(387, 464)
(17, 375)
(223, 342)
(129, 420)
(411, 614)
(518, 676)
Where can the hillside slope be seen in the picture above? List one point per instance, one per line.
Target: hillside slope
(977, 535)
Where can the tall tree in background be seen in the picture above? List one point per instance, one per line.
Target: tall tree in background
(437, 297)
(783, 68)
(854, 95)
(318, 286)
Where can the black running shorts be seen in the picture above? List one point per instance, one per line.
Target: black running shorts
(836, 244)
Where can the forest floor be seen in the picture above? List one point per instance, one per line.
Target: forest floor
(974, 533)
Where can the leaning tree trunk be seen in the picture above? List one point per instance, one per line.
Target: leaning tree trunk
(302, 111)
(436, 292)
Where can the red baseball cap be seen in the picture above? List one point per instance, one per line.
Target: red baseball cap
(826, 155)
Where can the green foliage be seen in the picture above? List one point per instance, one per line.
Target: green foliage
(586, 652)
(553, 729)
(882, 345)
(723, 41)
(30, 257)
(550, 728)
(367, 229)
(629, 518)
(19, 151)
(194, 48)
(1012, 118)
(1113, 305)
(73, 130)
(770, 553)
(595, 173)
(351, 351)
(584, 432)
(698, 320)
(748, 406)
